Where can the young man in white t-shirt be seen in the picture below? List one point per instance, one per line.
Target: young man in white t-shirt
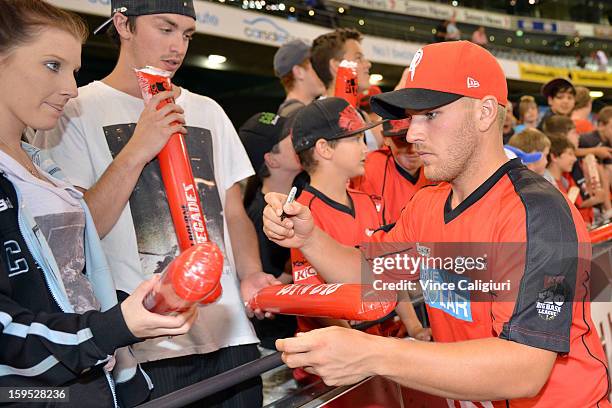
(106, 143)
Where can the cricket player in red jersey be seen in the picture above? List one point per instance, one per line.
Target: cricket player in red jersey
(328, 136)
(394, 172)
(517, 353)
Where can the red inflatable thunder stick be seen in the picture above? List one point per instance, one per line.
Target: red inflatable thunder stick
(346, 82)
(333, 300)
(183, 197)
(192, 277)
(184, 202)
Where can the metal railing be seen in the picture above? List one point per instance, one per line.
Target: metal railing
(237, 375)
(211, 386)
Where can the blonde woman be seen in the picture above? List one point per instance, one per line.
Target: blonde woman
(60, 323)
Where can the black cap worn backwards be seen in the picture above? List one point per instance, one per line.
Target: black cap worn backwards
(259, 134)
(145, 7)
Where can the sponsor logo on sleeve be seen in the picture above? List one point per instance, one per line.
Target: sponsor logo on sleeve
(552, 298)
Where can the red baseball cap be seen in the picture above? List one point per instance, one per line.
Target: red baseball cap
(442, 73)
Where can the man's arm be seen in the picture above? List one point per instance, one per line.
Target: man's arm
(107, 198)
(335, 262)
(242, 234)
(246, 250)
(478, 370)
(601, 152)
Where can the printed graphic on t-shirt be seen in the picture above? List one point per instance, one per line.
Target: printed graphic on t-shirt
(65, 234)
(157, 243)
(441, 290)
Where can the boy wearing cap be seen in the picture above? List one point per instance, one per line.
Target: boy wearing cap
(301, 83)
(394, 172)
(532, 147)
(517, 352)
(107, 144)
(369, 115)
(265, 139)
(328, 138)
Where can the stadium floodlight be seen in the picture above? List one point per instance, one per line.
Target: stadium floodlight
(375, 79)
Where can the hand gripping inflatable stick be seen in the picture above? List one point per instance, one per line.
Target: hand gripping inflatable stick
(183, 197)
(346, 82)
(181, 190)
(333, 300)
(194, 276)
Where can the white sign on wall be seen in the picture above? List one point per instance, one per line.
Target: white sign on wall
(249, 26)
(479, 17)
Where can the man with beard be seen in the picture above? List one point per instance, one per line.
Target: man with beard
(537, 346)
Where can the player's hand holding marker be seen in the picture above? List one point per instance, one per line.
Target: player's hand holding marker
(290, 199)
(291, 230)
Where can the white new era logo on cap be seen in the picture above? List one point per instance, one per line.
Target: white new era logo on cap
(472, 83)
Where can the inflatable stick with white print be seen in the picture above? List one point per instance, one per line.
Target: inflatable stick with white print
(346, 82)
(193, 277)
(181, 189)
(332, 300)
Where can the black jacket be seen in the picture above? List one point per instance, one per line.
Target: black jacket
(40, 344)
